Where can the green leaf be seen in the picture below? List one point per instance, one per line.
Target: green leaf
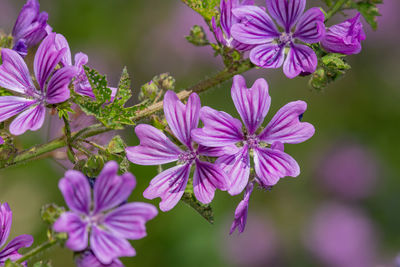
(369, 11)
(206, 8)
(9, 263)
(197, 36)
(116, 145)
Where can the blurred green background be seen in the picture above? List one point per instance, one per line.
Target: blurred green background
(343, 210)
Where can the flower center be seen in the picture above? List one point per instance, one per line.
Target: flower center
(187, 156)
(252, 141)
(286, 38)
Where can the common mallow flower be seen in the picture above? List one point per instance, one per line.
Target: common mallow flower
(223, 34)
(30, 28)
(155, 149)
(270, 162)
(345, 37)
(107, 221)
(88, 259)
(31, 102)
(10, 251)
(257, 28)
(241, 211)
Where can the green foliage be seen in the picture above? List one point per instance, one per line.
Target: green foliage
(154, 89)
(64, 109)
(9, 263)
(42, 264)
(204, 210)
(4, 92)
(331, 68)
(50, 213)
(206, 8)
(197, 36)
(368, 10)
(6, 41)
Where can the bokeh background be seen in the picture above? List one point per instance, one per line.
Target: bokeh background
(343, 210)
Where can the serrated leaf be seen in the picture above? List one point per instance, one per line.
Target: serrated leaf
(369, 11)
(206, 8)
(116, 145)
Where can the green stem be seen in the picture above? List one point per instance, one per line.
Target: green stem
(42, 247)
(336, 8)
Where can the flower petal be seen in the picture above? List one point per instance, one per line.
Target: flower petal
(286, 12)
(237, 167)
(169, 185)
(14, 74)
(268, 55)
(58, 87)
(46, 59)
(76, 191)
(110, 189)
(217, 151)
(77, 229)
(300, 58)
(207, 178)
(252, 104)
(182, 118)
(12, 105)
(26, 16)
(88, 259)
(128, 221)
(108, 247)
(256, 27)
(220, 129)
(155, 148)
(240, 219)
(286, 127)
(272, 164)
(311, 28)
(61, 43)
(5, 222)
(31, 119)
(11, 250)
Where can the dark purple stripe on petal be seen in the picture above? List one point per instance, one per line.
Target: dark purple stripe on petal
(286, 12)
(31, 119)
(300, 58)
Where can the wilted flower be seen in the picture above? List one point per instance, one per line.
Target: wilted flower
(156, 148)
(30, 28)
(15, 76)
(106, 223)
(88, 259)
(241, 211)
(10, 251)
(258, 29)
(345, 37)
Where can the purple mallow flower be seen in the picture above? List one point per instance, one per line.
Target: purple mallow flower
(257, 28)
(105, 222)
(88, 259)
(155, 148)
(241, 211)
(223, 34)
(30, 28)
(10, 251)
(345, 37)
(270, 162)
(31, 104)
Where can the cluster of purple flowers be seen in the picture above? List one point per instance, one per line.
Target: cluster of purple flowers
(281, 34)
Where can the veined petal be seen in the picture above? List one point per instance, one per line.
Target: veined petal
(88, 259)
(155, 148)
(14, 74)
(77, 229)
(286, 12)
(11, 250)
(255, 26)
(108, 247)
(12, 105)
(27, 15)
(81, 59)
(220, 129)
(240, 219)
(300, 58)
(182, 118)
(110, 189)
(272, 164)
(237, 168)
(58, 87)
(206, 179)
(76, 191)
(252, 104)
(128, 221)
(5, 222)
(169, 186)
(36, 31)
(46, 59)
(217, 151)
(310, 28)
(268, 55)
(286, 127)
(31, 119)
(60, 43)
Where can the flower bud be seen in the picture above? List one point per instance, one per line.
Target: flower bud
(197, 36)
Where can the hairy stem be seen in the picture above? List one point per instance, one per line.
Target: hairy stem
(334, 9)
(42, 247)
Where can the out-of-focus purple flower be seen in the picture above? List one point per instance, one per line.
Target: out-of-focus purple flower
(241, 211)
(270, 162)
(30, 28)
(348, 170)
(10, 251)
(81, 82)
(15, 76)
(345, 37)
(223, 34)
(156, 148)
(88, 259)
(257, 28)
(105, 222)
(1, 140)
(341, 236)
